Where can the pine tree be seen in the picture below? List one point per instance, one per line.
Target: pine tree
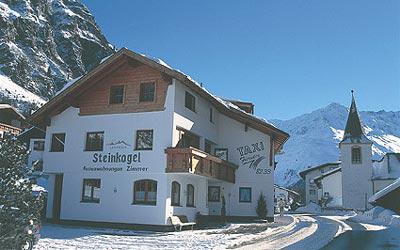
(261, 208)
(17, 203)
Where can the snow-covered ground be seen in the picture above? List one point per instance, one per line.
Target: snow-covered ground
(232, 235)
(297, 231)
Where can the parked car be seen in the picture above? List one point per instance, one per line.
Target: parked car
(18, 232)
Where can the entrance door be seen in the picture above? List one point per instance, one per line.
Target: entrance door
(57, 197)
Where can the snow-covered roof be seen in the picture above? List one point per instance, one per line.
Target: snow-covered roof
(8, 106)
(312, 168)
(385, 191)
(286, 189)
(326, 174)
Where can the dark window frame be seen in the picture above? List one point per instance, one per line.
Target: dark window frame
(219, 194)
(38, 148)
(188, 202)
(87, 141)
(188, 139)
(175, 190)
(112, 99)
(137, 137)
(190, 101)
(211, 115)
(147, 189)
(57, 142)
(356, 155)
(241, 199)
(91, 199)
(145, 96)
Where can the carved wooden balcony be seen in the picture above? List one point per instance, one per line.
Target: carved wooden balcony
(195, 161)
(10, 129)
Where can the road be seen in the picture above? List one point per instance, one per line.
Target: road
(328, 232)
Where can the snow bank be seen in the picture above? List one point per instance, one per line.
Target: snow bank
(378, 215)
(310, 208)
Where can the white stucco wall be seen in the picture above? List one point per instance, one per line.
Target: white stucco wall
(356, 178)
(332, 184)
(114, 206)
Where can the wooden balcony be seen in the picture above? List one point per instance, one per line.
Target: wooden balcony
(195, 161)
(9, 129)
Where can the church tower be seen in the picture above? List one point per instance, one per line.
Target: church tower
(356, 163)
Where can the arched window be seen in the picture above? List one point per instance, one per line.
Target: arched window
(190, 196)
(356, 155)
(145, 192)
(175, 193)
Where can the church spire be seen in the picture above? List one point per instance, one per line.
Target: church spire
(353, 128)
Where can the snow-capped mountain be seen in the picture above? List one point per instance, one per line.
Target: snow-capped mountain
(45, 43)
(314, 138)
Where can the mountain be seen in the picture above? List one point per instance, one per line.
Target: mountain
(314, 138)
(45, 43)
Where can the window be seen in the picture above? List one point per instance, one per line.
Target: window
(208, 146)
(145, 192)
(244, 194)
(190, 196)
(38, 145)
(175, 193)
(57, 142)
(211, 115)
(214, 193)
(90, 192)
(312, 192)
(356, 155)
(94, 141)
(144, 140)
(190, 101)
(326, 194)
(147, 91)
(117, 94)
(187, 139)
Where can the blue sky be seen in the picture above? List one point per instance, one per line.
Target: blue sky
(288, 57)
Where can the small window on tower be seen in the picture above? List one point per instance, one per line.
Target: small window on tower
(356, 155)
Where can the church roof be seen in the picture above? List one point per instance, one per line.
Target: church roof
(353, 131)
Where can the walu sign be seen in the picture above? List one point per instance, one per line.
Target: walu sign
(252, 155)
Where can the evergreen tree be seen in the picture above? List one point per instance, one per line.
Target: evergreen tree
(18, 206)
(261, 208)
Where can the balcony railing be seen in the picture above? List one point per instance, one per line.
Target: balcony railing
(195, 161)
(10, 129)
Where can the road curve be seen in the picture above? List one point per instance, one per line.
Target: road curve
(307, 232)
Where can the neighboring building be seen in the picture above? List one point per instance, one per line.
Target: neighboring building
(11, 121)
(34, 140)
(388, 197)
(386, 171)
(135, 142)
(357, 176)
(329, 186)
(308, 176)
(289, 196)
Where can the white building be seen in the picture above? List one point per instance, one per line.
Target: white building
(357, 177)
(308, 176)
(329, 188)
(135, 142)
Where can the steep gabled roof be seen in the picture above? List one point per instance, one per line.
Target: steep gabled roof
(353, 130)
(65, 98)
